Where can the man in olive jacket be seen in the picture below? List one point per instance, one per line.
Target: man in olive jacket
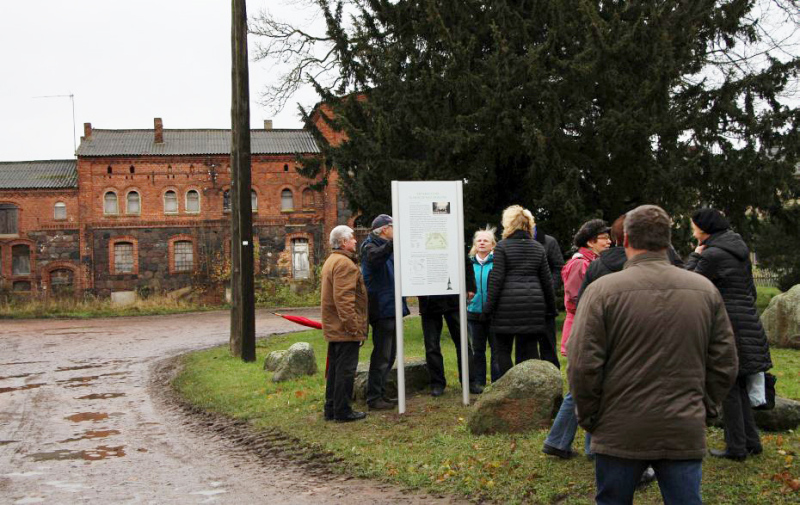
(344, 323)
(652, 355)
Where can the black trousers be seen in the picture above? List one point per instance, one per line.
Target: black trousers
(342, 364)
(526, 348)
(741, 433)
(432, 325)
(547, 344)
(480, 334)
(384, 351)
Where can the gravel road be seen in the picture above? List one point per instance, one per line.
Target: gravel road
(83, 418)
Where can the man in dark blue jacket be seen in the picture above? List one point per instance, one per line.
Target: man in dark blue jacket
(377, 267)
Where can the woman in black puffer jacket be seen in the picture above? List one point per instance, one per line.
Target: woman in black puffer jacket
(724, 258)
(520, 291)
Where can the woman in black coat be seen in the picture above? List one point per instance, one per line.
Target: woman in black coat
(724, 258)
(520, 294)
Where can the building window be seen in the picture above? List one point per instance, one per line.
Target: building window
(60, 211)
(123, 258)
(226, 201)
(300, 265)
(132, 203)
(170, 202)
(20, 260)
(253, 201)
(8, 219)
(62, 281)
(192, 201)
(132, 169)
(184, 256)
(285, 168)
(109, 170)
(21, 286)
(308, 199)
(110, 203)
(287, 200)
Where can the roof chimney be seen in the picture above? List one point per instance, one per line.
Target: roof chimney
(159, 130)
(87, 130)
(267, 124)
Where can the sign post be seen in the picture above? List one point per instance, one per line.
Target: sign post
(429, 257)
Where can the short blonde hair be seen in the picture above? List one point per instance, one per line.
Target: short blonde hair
(517, 218)
(489, 230)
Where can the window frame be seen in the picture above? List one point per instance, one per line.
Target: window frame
(116, 203)
(164, 200)
(59, 205)
(12, 209)
(128, 194)
(112, 263)
(291, 195)
(186, 201)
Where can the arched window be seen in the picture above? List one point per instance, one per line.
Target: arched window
(192, 201)
(170, 202)
(62, 281)
(8, 219)
(226, 201)
(253, 201)
(60, 211)
(308, 199)
(286, 168)
(184, 256)
(287, 200)
(123, 258)
(20, 260)
(132, 203)
(132, 169)
(109, 170)
(110, 203)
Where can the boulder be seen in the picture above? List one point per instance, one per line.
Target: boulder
(785, 416)
(781, 319)
(123, 298)
(299, 360)
(272, 360)
(417, 379)
(525, 398)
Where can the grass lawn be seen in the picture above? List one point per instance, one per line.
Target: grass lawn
(430, 448)
(90, 308)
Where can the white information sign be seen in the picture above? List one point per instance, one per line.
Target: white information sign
(428, 231)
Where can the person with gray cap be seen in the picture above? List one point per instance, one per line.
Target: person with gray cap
(377, 268)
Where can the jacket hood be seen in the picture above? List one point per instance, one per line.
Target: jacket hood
(731, 242)
(614, 258)
(489, 259)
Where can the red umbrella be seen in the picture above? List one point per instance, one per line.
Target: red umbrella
(301, 320)
(306, 322)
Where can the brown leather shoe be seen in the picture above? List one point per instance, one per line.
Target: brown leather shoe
(380, 405)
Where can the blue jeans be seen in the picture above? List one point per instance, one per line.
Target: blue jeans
(562, 433)
(678, 480)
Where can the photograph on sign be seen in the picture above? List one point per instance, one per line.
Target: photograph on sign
(428, 230)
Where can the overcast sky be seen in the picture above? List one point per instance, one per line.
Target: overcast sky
(126, 62)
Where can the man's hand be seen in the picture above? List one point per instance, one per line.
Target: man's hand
(470, 296)
(699, 249)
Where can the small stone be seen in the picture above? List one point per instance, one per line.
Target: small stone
(298, 361)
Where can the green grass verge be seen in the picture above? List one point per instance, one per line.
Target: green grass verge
(430, 448)
(90, 308)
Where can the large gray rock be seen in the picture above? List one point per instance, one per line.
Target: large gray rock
(273, 359)
(298, 361)
(784, 417)
(781, 319)
(417, 379)
(524, 399)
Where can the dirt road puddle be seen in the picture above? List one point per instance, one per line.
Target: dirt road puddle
(20, 376)
(87, 416)
(101, 452)
(78, 382)
(92, 434)
(100, 396)
(20, 388)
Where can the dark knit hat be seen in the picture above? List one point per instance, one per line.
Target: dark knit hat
(710, 220)
(590, 230)
(381, 220)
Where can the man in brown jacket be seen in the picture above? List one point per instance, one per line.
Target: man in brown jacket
(344, 323)
(651, 356)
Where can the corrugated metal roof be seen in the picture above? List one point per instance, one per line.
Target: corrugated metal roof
(51, 174)
(177, 142)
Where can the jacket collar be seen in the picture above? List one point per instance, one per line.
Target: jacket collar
(648, 257)
(519, 234)
(587, 253)
(350, 255)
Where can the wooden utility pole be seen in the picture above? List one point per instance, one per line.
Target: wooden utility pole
(243, 325)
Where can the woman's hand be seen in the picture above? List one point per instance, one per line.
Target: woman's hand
(699, 249)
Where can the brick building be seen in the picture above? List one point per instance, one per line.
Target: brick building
(149, 210)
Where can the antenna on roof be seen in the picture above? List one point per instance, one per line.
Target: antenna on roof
(72, 99)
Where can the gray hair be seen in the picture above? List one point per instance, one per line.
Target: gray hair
(648, 227)
(378, 231)
(340, 234)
